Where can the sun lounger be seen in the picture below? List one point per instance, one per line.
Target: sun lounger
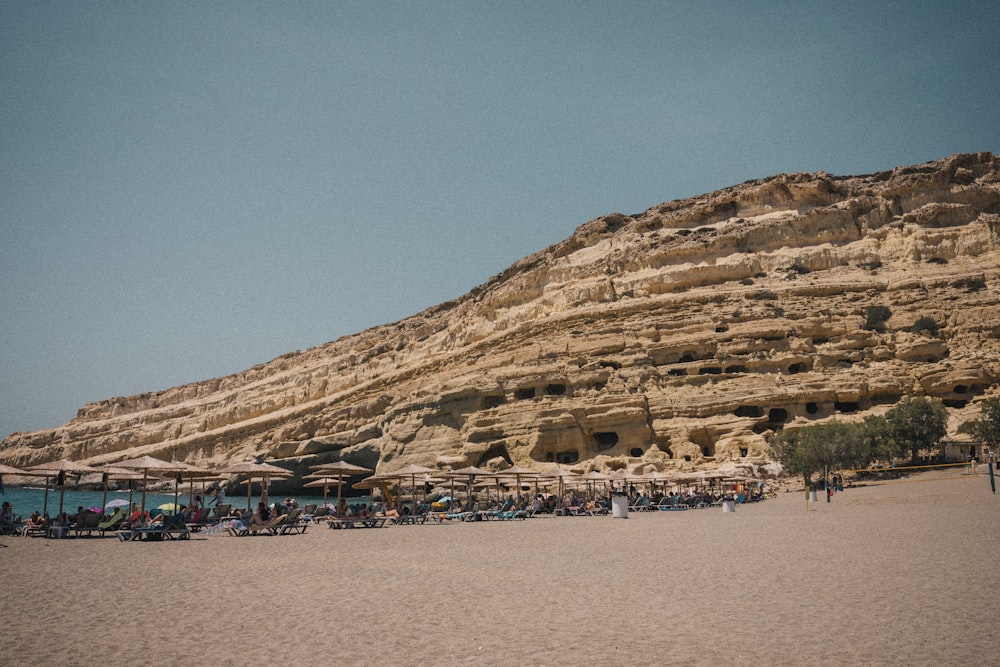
(87, 523)
(113, 522)
(269, 528)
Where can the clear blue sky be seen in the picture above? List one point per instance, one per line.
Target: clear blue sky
(188, 189)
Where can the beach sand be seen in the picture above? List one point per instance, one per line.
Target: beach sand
(900, 573)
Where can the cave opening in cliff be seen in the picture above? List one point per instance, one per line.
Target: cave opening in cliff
(812, 408)
(687, 357)
(794, 369)
(749, 411)
(736, 369)
(496, 450)
(956, 403)
(555, 389)
(490, 402)
(604, 440)
(777, 415)
(709, 370)
(524, 393)
(708, 451)
(846, 406)
(677, 372)
(572, 456)
(635, 452)
(960, 389)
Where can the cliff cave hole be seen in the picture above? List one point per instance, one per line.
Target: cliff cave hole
(722, 328)
(555, 389)
(635, 452)
(749, 411)
(956, 403)
(708, 451)
(820, 341)
(524, 393)
(777, 415)
(610, 364)
(709, 370)
(597, 386)
(796, 368)
(846, 406)
(743, 452)
(736, 369)
(687, 357)
(571, 456)
(604, 440)
(812, 408)
(497, 449)
(490, 402)
(960, 389)
(677, 372)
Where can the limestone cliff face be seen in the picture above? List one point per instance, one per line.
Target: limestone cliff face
(677, 337)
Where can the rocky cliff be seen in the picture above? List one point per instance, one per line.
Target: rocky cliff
(673, 338)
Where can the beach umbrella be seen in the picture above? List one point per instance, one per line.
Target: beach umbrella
(110, 472)
(562, 474)
(59, 469)
(518, 472)
(117, 502)
(326, 483)
(410, 471)
(469, 473)
(263, 470)
(8, 470)
(186, 471)
(145, 464)
(592, 478)
(339, 470)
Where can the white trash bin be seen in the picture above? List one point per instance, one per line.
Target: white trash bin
(619, 507)
(728, 505)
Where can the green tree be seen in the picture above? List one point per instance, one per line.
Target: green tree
(986, 429)
(916, 423)
(809, 450)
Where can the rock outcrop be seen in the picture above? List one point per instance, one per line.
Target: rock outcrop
(677, 337)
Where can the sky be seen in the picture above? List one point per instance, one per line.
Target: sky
(189, 189)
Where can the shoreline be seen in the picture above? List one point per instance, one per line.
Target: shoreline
(891, 573)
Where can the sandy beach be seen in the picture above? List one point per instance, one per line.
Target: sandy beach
(900, 573)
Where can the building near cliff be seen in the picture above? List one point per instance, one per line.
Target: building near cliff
(675, 338)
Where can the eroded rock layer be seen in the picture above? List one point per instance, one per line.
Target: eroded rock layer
(677, 337)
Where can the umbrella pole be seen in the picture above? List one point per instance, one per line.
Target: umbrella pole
(45, 503)
(249, 490)
(145, 476)
(104, 500)
(264, 488)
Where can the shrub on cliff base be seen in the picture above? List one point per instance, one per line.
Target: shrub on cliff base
(875, 318)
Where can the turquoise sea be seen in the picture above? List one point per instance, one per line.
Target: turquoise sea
(28, 499)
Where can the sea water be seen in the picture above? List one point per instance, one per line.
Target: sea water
(28, 499)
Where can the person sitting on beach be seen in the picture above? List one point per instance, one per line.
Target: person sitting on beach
(137, 519)
(35, 521)
(7, 513)
(342, 509)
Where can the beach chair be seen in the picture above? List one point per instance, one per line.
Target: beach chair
(113, 522)
(294, 523)
(269, 528)
(86, 523)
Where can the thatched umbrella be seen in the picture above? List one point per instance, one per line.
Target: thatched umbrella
(469, 473)
(110, 472)
(186, 471)
(145, 464)
(340, 470)
(9, 470)
(59, 469)
(410, 471)
(263, 470)
(326, 483)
